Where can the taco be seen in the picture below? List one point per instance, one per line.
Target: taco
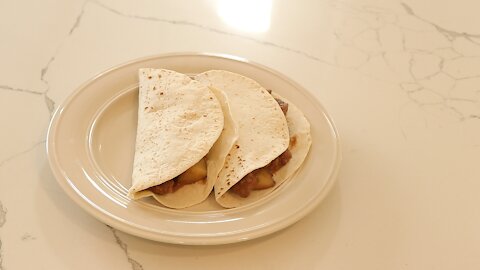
(178, 154)
(273, 139)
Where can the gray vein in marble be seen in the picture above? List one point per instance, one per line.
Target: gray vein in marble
(1, 256)
(49, 102)
(463, 77)
(45, 69)
(21, 90)
(411, 62)
(28, 237)
(402, 129)
(3, 214)
(135, 265)
(450, 34)
(79, 18)
(214, 30)
(463, 99)
(441, 99)
(16, 155)
(450, 76)
(473, 41)
(3, 220)
(416, 79)
(459, 114)
(404, 45)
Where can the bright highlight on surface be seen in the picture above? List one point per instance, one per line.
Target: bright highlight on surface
(246, 15)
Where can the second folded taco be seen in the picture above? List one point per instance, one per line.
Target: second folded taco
(273, 140)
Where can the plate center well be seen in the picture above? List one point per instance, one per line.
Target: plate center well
(112, 140)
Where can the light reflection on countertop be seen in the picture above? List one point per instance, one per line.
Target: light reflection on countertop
(246, 15)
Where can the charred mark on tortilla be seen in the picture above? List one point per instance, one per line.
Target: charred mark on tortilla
(293, 142)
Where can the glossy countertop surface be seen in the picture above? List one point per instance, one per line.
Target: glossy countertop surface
(400, 79)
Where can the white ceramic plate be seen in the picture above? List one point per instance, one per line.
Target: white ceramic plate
(91, 144)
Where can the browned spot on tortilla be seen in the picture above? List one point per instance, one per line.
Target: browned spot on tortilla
(161, 93)
(293, 142)
(149, 77)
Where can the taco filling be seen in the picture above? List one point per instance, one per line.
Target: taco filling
(197, 172)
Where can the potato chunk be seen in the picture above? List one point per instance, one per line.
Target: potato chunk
(264, 179)
(196, 173)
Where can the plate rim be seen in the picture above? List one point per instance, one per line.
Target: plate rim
(124, 225)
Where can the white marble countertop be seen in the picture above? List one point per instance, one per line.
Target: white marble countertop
(400, 79)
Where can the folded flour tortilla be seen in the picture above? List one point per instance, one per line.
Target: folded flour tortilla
(264, 133)
(179, 123)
